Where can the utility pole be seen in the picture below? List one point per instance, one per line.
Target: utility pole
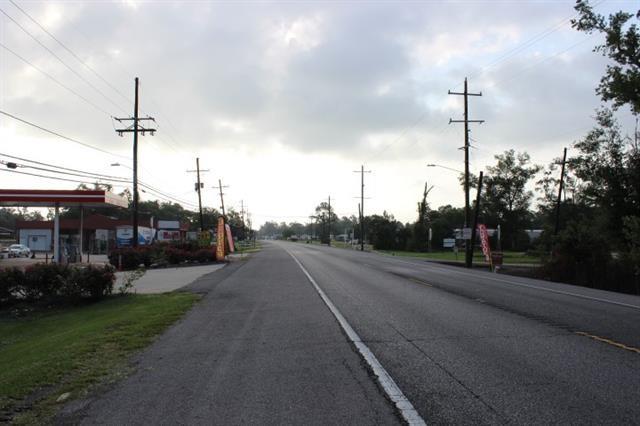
(477, 213)
(220, 187)
(564, 161)
(362, 171)
(199, 185)
(135, 128)
(466, 121)
(242, 217)
(329, 221)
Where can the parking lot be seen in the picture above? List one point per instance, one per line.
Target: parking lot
(21, 262)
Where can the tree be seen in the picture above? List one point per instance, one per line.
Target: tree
(621, 81)
(506, 198)
(384, 232)
(608, 165)
(326, 218)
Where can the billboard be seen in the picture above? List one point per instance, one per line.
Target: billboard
(124, 235)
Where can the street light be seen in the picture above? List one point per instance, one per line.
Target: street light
(445, 167)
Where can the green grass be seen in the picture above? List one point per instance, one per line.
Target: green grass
(246, 248)
(509, 257)
(70, 349)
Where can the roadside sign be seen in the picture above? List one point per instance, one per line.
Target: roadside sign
(466, 233)
(484, 240)
(448, 242)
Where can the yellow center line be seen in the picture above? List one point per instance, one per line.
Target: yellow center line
(609, 342)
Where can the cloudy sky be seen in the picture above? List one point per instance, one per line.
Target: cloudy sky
(284, 100)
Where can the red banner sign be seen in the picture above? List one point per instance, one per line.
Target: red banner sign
(229, 238)
(484, 240)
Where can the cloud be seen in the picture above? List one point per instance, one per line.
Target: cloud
(306, 82)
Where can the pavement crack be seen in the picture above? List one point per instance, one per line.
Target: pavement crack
(451, 375)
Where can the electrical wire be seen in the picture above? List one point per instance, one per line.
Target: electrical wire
(64, 46)
(44, 46)
(89, 175)
(49, 177)
(55, 80)
(86, 145)
(60, 167)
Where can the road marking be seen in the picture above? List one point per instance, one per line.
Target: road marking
(408, 412)
(609, 342)
(566, 293)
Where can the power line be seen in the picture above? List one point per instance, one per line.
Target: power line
(50, 177)
(528, 43)
(55, 80)
(61, 136)
(70, 52)
(92, 180)
(44, 46)
(44, 169)
(60, 167)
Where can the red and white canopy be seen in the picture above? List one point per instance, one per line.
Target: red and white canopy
(61, 198)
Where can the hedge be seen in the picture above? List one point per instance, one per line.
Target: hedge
(54, 282)
(160, 255)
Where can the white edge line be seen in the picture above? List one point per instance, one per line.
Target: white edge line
(408, 412)
(566, 293)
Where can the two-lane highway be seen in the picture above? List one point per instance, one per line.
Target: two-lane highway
(475, 347)
(304, 334)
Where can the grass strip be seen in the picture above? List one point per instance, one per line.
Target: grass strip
(509, 257)
(67, 350)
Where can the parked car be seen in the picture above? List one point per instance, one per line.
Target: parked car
(19, 250)
(4, 252)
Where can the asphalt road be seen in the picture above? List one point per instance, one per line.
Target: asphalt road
(464, 347)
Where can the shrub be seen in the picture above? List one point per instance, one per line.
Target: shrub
(175, 255)
(132, 257)
(204, 255)
(93, 281)
(44, 280)
(52, 282)
(10, 281)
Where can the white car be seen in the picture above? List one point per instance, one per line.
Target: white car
(19, 250)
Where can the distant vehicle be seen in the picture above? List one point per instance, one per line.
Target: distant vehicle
(4, 252)
(19, 250)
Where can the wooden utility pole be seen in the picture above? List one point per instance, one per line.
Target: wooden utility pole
(466, 121)
(220, 187)
(329, 239)
(564, 161)
(362, 171)
(476, 215)
(135, 128)
(199, 185)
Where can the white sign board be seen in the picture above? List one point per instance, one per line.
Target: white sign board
(466, 233)
(168, 224)
(448, 242)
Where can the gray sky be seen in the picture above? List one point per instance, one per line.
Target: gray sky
(284, 100)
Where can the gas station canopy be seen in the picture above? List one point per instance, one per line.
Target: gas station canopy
(57, 199)
(60, 198)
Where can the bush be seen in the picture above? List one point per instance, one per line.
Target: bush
(93, 282)
(52, 282)
(204, 255)
(161, 254)
(44, 280)
(10, 281)
(131, 257)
